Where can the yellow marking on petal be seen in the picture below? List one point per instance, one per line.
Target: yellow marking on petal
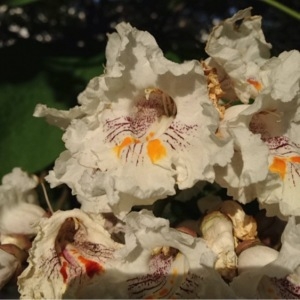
(278, 166)
(175, 272)
(295, 159)
(150, 136)
(156, 150)
(255, 83)
(126, 142)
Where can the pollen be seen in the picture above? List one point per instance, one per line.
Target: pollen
(156, 150)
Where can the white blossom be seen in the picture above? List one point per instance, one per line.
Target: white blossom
(70, 253)
(142, 127)
(162, 262)
(237, 48)
(19, 208)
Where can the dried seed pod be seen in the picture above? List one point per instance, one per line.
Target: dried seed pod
(217, 230)
(244, 226)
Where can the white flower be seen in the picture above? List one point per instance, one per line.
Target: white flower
(19, 209)
(249, 163)
(143, 127)
(18, 187)
(266, 163)
(162, 262)
(237, 48)
(278, 279)
(239, 52)
(69, 253)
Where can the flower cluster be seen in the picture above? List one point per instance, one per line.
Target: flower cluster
(150, 129)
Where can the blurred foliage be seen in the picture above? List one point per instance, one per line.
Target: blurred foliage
(30, 78)
(50, 49)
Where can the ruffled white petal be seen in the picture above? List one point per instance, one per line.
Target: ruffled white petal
(282, 74)
(249, 164)
(162, 262)
(59, 118)
(20, 219)
(266, 162)
(17, 187)
(238, 48)
(69, 253)
(19, 209)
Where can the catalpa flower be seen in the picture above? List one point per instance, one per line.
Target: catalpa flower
(142, 127)
(71, 250)
(18, 187)
(238, 50)
(239, 53)
(279, 279)
(19, 207)
(162, 262)
(265, 133)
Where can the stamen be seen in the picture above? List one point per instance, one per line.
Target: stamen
(169, 106)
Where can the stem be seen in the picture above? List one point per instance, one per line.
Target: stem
(46, 196)
(283, 8)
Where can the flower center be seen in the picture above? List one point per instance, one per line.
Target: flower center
(151, 116)
(285, 154)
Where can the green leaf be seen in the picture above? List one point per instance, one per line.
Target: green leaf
(173, 57)
(69, 75)
(84, 68)
(26, 141)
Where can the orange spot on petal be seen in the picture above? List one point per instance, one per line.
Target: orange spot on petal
(126, 142)
(295, 159)
(278, 166)
(63, 271)
(91, 267)
(156, 150)
(150, 136)
(163, 292)
(255, 83)
(175, 272)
